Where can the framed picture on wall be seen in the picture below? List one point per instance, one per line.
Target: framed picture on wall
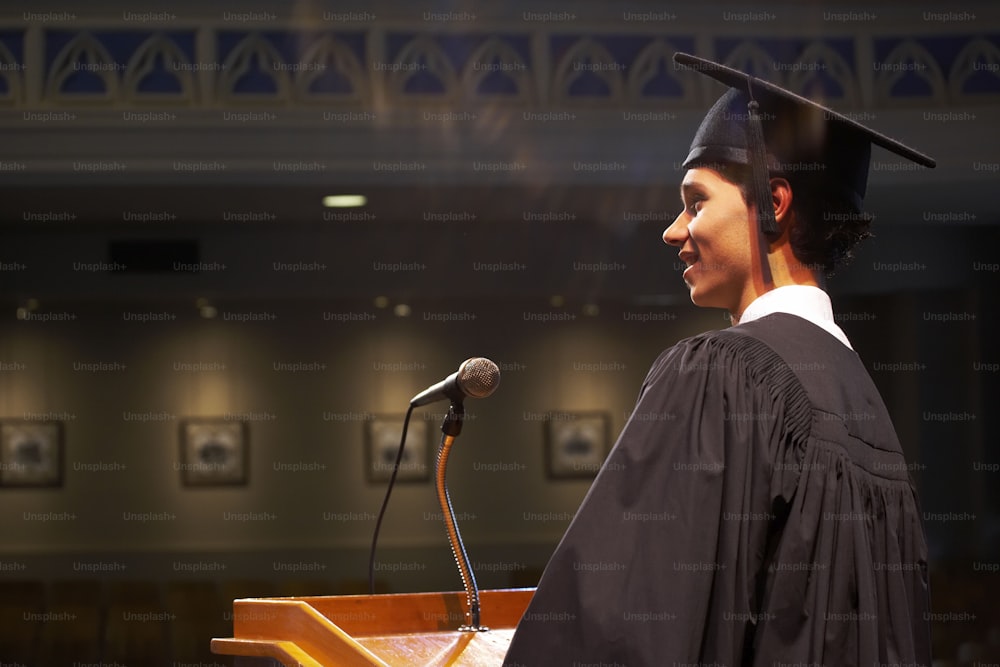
(382, 435)
(31, 453)
(576, 443)
(213, 452)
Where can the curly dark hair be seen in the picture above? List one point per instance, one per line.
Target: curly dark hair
(827, 227)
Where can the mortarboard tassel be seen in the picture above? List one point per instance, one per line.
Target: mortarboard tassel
(758, 164)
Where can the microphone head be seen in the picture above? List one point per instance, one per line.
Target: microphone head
(478, 377)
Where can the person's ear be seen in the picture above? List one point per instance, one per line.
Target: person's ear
(781, 198)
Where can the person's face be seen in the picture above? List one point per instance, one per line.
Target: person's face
(714, 235)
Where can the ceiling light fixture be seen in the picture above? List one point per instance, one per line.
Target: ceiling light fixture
(344, 201)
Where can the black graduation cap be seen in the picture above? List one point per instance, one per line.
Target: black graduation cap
(773, 130)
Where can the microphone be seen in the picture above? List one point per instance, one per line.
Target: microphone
(477, 377)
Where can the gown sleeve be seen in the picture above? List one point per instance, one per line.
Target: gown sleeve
(664, 561)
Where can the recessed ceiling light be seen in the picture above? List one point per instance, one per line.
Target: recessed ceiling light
(344, 201)
(205, 308)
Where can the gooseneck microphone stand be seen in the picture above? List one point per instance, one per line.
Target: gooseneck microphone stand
(451, 427)
(477, 377)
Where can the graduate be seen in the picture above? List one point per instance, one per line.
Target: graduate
(757, 508)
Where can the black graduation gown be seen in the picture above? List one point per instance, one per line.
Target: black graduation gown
(756, 510)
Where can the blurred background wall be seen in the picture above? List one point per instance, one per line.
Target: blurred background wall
(166, 258)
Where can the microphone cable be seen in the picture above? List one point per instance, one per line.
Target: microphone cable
(385, 502)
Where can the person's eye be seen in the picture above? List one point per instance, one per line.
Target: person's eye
(694, 206)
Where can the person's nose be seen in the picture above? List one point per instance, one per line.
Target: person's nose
(677, 233)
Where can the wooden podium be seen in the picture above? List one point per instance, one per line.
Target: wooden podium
(364, 630)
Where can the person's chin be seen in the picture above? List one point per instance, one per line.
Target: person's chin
(698, 296)
(704, 298)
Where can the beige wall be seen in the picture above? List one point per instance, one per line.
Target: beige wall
(311, 417)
